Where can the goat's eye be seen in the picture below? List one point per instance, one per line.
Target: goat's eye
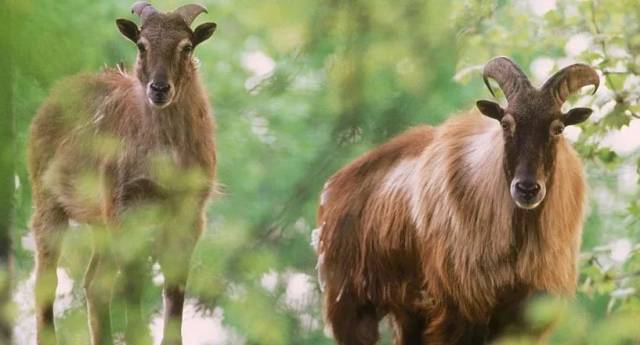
(508, 124)
(141, 48)
(187, 49)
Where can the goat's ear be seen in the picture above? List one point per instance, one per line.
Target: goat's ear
(576, 115)
(203, 32)
(129, 29)
(491, 109)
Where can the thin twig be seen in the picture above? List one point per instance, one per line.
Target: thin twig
(619, 96)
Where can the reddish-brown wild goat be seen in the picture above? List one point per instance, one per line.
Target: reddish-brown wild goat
(136, 137)
(449, 229)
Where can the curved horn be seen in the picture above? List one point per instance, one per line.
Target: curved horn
(143, 9)
(190, 12)
(508, 75)
(569, 80)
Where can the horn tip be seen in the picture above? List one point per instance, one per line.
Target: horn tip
(486, 82)
(138, 6)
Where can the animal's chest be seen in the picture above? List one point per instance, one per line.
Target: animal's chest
(161, 169)
(161, 158)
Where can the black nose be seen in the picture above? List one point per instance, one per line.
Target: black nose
(160, 87)
(528, 188)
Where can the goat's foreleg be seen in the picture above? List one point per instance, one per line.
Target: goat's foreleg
(353, 322)
(132, 253)
(408, 327)
(133, 229)
(174, 262)
(447, 326)
(135, 275)
(98, 285)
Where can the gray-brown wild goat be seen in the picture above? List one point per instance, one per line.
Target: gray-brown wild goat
(449, 229)
(145, 142)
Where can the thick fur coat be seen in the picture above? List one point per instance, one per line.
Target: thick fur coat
(98, 150)
(423, 227)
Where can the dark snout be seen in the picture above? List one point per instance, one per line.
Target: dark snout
(527, 193)
(160, 92)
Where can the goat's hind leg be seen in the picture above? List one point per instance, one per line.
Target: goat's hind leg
(48, 224)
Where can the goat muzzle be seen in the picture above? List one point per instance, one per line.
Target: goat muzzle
(160, 94)
(527, 193)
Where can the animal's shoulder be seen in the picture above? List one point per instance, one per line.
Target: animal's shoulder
(413, 142)
(87, 84)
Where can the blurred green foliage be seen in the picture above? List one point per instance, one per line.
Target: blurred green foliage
(301, 88)
(7, 168)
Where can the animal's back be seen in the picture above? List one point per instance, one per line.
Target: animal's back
(348, 248)
(371, 167)
(73, 134)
